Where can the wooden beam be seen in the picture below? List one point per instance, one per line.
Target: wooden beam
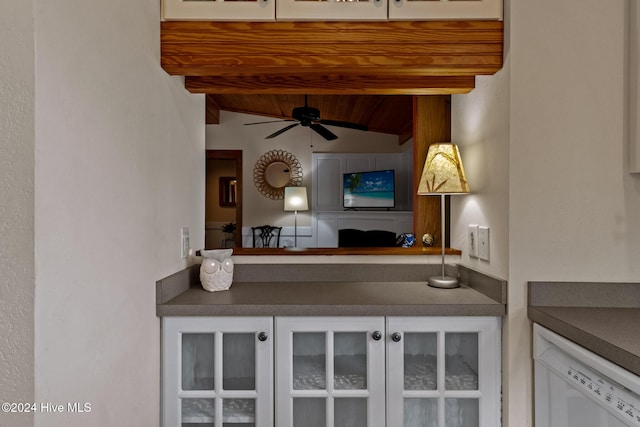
(432, 123)
(427, 57)
(331, 84)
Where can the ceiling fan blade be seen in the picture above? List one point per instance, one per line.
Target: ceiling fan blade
(323, 131)
(270, 121)
(273, 135)
(349, 125)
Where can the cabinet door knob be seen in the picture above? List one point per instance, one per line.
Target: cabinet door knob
(376, 335)
(396, 336)
(262, 336)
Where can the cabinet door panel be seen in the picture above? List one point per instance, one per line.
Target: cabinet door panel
(239, 361)
(443, 371)
(330, 372)
(239, 412)
(420, 412)
(462, 413)
(335, 10)
(219, 10)
(445, 9)
(198, 412)
(461, 361)
(216, 372)
(420, 361)
(309, 412)
(350, 412)
(309, 361)
(198, 361)
(350, 361)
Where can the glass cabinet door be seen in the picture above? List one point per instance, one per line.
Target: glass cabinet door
(219, 10)
(334, 10)
(217, 372)
(330, 372)
(445, 9)
(443, 372)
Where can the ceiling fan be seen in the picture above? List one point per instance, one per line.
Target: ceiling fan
(310, 117)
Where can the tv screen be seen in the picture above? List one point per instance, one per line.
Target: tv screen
(374, 189)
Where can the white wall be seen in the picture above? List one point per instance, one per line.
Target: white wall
(232, 134)
(119, 170)
(17, 113)
(573, 208)
(480, 127)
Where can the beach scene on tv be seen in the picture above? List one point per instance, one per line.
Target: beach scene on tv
(369, 189)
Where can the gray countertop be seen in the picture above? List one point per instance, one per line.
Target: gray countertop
(182, 295)
(332, 299)
(601, 317)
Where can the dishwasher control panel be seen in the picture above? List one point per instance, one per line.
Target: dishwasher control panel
(614, 396)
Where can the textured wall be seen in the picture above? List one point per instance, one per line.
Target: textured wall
(119, 170)
(16, 207)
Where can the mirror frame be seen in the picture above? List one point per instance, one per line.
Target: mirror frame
(269, 158)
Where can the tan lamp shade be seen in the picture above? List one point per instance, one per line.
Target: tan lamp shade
(295, 199)
(443, 172)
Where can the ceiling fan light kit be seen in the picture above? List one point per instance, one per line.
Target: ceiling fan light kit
(310, 117)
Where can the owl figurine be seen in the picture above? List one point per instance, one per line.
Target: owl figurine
(216, 271)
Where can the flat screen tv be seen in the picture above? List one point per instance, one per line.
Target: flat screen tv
(375, 189)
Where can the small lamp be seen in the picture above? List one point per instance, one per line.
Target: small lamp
(443, 174)
(295, 199)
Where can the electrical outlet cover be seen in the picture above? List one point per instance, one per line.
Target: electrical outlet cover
(472, 238)
(483, 243)
(184, 242)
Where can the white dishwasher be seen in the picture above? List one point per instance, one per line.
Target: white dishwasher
(577, 388)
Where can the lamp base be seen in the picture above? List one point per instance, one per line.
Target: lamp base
(444, 282)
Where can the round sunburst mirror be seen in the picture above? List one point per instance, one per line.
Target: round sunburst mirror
(274, 171)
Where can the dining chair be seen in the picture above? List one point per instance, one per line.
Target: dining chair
(266, 236)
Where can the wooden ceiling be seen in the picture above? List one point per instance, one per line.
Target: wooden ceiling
(363, 72)
(392, 114)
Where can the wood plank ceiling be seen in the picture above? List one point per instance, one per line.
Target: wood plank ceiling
(363, 72)
(392, 114)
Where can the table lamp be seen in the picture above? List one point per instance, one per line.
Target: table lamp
(443, 174)
(295, 199)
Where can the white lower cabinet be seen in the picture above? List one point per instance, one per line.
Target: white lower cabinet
(443, 371)
(217, 371)
(331, 372)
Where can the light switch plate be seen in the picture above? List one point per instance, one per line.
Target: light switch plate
(472, 238)
(483, 243)
(184, 242)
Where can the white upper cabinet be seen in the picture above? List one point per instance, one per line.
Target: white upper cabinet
(219, 10)
(331, 10)
(416, 10)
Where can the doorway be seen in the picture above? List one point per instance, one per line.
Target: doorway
(223, 199)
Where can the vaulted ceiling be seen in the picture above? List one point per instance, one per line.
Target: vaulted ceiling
(392, 114)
